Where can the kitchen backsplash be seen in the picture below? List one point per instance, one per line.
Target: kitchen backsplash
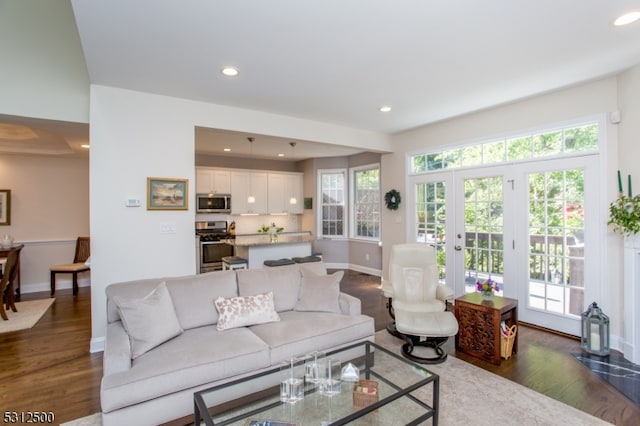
(251, 224)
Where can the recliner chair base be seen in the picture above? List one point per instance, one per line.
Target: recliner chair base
(434, 343)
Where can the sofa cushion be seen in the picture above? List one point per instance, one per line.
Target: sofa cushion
(303, 332)
(127, 290)
(196, 357)
(149, 321)
(315, 268)
(242, 311)
(320, 293)
(283, 281)
(193, 296)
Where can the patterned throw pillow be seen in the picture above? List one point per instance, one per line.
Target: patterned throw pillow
(243, 311)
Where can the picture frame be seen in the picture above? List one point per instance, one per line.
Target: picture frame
(5, 207)
(308, 203)
(167, 194)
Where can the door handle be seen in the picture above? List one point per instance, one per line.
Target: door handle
(457, 248)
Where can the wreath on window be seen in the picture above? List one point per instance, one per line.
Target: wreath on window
(392, 199)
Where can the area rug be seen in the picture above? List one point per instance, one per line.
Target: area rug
(472, 396)
(29, 313)
(619, 372)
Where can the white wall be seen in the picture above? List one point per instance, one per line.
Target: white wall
(598, 97)
(43, 73)
(136, 135)
(49, 210)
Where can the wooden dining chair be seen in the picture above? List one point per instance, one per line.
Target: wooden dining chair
(6, 283)
(83, 251)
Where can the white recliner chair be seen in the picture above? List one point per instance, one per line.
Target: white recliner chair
(417, 302)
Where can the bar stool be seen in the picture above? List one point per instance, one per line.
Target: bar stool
(306, 259)
(234, 262)
(279, 262)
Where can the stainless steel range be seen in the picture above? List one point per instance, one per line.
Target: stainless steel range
(211, 245)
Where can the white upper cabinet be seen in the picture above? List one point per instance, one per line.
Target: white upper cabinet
(244, 184)
(213, 181)
(273, 191)
(283, 188)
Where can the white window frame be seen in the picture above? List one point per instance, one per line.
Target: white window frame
(345, 203)
(353, 210)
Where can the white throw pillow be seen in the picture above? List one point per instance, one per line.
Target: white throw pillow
(320, 293)
(243, 311)
(149, 321)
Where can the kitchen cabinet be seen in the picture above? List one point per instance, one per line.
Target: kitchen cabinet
(281, 188)
(245, 183)
(213, 181)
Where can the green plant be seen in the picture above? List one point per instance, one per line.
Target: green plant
(273, 228)
(624, 215)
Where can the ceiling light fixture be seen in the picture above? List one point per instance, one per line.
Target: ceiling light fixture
(293, 200)
(227, 149)
(251, 199)
(385, 108)
(627, 18)
(86, 146)
(230, 71)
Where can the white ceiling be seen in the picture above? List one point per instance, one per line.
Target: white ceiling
(338, 61)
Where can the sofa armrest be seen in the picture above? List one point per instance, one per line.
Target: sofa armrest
(117, 350)
(350, 305)
(444, 293)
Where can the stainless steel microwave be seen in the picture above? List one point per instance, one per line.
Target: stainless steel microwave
(213, 203)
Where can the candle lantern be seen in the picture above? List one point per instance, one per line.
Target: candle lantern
(595, 331)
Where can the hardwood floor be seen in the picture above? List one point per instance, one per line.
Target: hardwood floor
(49, 367)
(543, 363)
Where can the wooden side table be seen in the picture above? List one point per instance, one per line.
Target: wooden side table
(479, 325)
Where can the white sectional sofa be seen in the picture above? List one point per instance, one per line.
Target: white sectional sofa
(170, 337)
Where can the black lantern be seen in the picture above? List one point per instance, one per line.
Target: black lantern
(595, 331)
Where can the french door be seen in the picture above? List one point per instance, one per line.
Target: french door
(531, 227)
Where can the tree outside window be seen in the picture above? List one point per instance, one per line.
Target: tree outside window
(366, 202)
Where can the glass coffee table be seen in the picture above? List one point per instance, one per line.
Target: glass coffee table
(401, 396)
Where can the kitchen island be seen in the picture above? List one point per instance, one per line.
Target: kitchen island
(258, 248)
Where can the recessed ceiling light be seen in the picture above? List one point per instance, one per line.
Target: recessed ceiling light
(230, 71)
(385, 108)
(626, 19)
(280, 154)
(86, 146)
(227, 149)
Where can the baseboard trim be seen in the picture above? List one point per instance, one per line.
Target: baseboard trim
(96, 344)
(366, 270)
(60, 285)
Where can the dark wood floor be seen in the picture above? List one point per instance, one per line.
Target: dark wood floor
(49, 367)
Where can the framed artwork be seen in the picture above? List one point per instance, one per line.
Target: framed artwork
(5, 207)
(167, 194)
(308, 203)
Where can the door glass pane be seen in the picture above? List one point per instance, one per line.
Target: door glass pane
(556, 248)
(430, 217)
(484, 247)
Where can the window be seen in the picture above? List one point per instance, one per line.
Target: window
(563, 141)
(332, 196)
(365, 190)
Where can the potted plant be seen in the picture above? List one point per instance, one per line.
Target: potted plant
(624, 215)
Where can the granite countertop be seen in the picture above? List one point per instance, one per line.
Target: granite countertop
(264, 240)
